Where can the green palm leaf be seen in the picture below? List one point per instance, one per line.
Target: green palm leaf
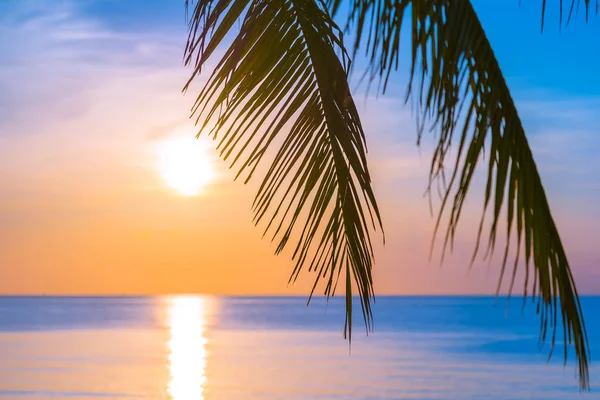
(462, 92)
(280, 84)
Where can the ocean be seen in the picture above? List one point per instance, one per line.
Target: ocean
(205, 347)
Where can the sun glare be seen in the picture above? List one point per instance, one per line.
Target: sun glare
(187, 358)
(185, 165)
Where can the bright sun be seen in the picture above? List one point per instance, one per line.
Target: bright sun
(184, 164)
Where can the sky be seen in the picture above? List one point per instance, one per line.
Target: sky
(90, 95)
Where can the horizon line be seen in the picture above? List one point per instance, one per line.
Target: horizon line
(184, 294)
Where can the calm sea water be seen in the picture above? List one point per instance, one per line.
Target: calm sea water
(193, 348)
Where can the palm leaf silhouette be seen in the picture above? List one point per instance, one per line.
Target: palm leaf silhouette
(285, 73)
(281, 76)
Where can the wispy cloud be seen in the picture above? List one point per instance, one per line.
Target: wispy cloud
(58, 59)
(565, 140)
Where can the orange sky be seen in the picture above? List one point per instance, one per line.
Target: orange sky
(83, 209)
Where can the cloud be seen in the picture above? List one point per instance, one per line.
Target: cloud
(565, 143)
(391, 140)
(59, 58)
(566, 111)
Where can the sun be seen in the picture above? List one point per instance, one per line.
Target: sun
(184, 164)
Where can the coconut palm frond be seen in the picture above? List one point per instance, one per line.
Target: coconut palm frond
(281, 84)
(462, 94)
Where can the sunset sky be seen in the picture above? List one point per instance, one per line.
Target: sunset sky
(90, 101)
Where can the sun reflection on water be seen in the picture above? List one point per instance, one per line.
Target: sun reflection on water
(187, 348)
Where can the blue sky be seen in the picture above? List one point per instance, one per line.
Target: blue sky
(83, 82)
